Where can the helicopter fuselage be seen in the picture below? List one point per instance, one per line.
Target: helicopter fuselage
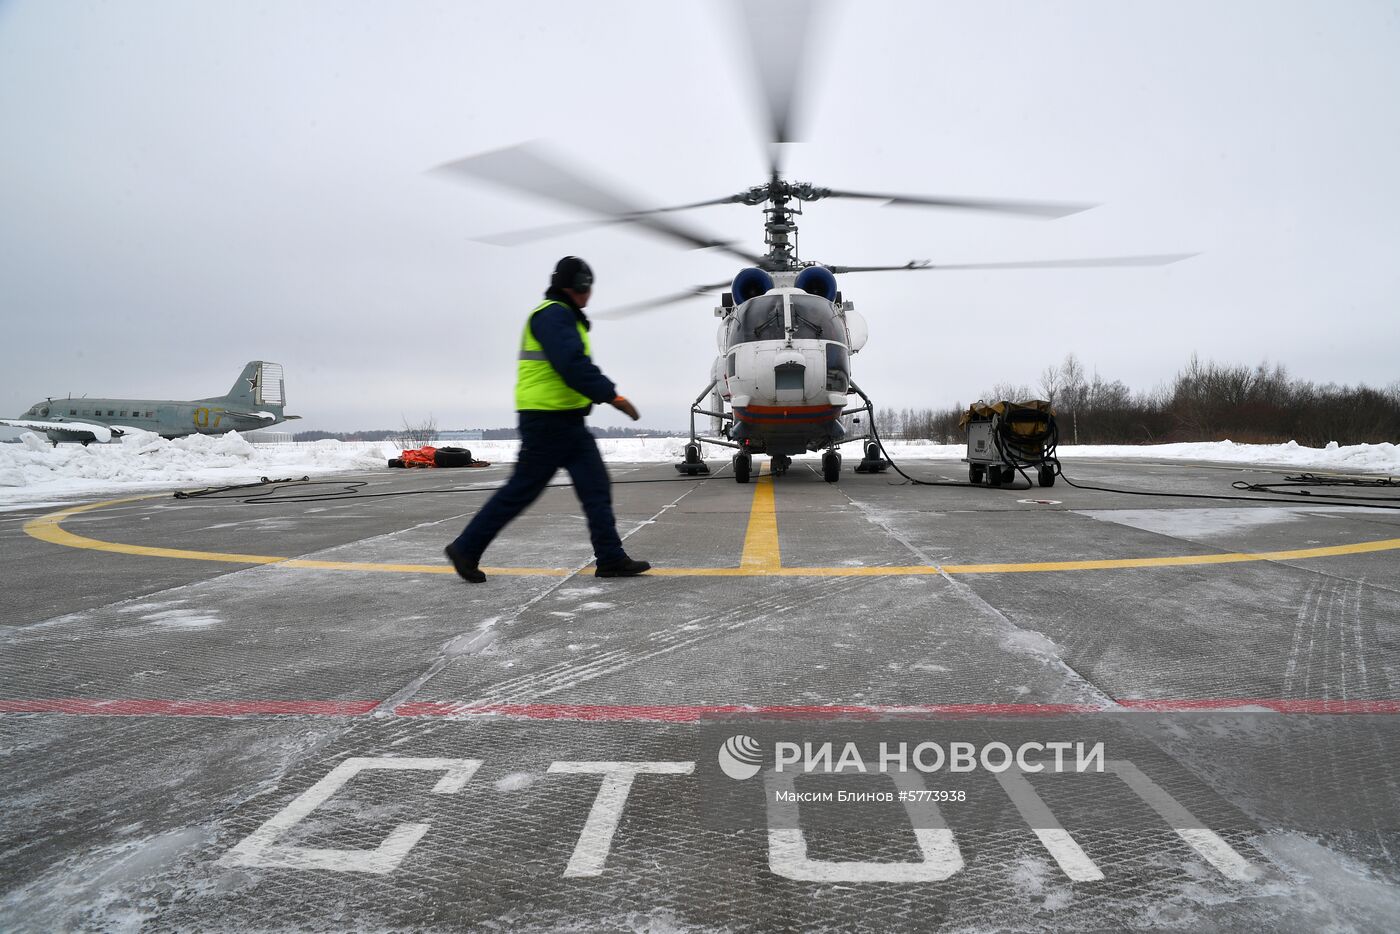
(785, 370)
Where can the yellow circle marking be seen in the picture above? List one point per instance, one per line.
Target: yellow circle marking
(760, 557)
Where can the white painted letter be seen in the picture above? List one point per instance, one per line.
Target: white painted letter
(1072, 859)
(261, 850)
(1202, 839)
(787, 846)
(594, 843)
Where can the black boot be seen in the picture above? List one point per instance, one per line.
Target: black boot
(466, 568)
(624, 567)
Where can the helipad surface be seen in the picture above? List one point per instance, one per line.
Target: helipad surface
(291, 715)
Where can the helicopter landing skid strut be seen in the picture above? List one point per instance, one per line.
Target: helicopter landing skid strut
(693, 463)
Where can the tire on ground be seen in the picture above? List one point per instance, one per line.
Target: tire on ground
(452, 457)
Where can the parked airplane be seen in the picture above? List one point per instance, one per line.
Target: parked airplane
(257, 400)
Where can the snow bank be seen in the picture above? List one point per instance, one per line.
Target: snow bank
(1381, 458)
(35, 470)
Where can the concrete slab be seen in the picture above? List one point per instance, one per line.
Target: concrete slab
(288, 713)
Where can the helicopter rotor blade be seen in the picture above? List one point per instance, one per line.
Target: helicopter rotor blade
(1159, 259)
(532, 169)
(1047, 209)
(651, 304)
(529, 235)
(777, 32)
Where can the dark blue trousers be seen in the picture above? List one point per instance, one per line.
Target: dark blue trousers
(549, 441)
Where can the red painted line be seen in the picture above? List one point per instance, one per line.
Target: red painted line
(181, 708)
(671, 713)
(674, 713)
(1278, 705)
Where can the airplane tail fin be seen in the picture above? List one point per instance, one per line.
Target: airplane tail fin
(259, 386)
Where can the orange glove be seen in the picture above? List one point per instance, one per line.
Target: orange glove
(625, 407)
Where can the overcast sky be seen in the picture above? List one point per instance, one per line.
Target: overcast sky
(187, 186)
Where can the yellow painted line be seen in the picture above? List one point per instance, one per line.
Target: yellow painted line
(308, 564)
(49, 528)
(760, 557)
(761, 540)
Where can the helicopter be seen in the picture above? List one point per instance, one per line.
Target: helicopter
(782, 381)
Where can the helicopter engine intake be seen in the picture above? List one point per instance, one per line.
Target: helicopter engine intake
(817, 280)
(750, 283)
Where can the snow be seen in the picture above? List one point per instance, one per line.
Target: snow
(100, 432)
(34, 470)
(1212, 523)
(1383, 458)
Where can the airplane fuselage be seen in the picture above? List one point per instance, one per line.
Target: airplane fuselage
(167, 418)
(256, 400)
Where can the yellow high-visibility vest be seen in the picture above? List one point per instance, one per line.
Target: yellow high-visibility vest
(538, 385)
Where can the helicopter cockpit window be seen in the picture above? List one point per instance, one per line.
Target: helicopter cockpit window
(813, 318)
(838, 368)
(761, 319)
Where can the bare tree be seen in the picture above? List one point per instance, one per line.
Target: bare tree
(1073, 391)
(418, 434)
(1050, 384)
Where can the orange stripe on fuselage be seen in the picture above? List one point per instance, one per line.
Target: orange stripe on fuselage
(787, 414)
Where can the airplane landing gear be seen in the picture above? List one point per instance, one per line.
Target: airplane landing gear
(831, 466)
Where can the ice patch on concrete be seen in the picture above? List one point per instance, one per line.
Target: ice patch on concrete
(1213, 521)
(1031, 875)
(148, 607)
(1333, 892)
(1030, 642)
(106, 889)
(181, 619)
(515, 781)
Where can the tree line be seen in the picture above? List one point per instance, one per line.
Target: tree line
(1206, 401)
(418, 435)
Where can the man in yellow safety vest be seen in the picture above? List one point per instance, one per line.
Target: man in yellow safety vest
(556, 385)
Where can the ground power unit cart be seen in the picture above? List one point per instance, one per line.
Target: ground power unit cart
(1004, 437)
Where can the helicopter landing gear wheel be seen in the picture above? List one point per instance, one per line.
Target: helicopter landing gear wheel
(743, 465)
(781, 463)
(975, 473)
(831, 466)
(1047, 475)
(873, 462)
(692, 464)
